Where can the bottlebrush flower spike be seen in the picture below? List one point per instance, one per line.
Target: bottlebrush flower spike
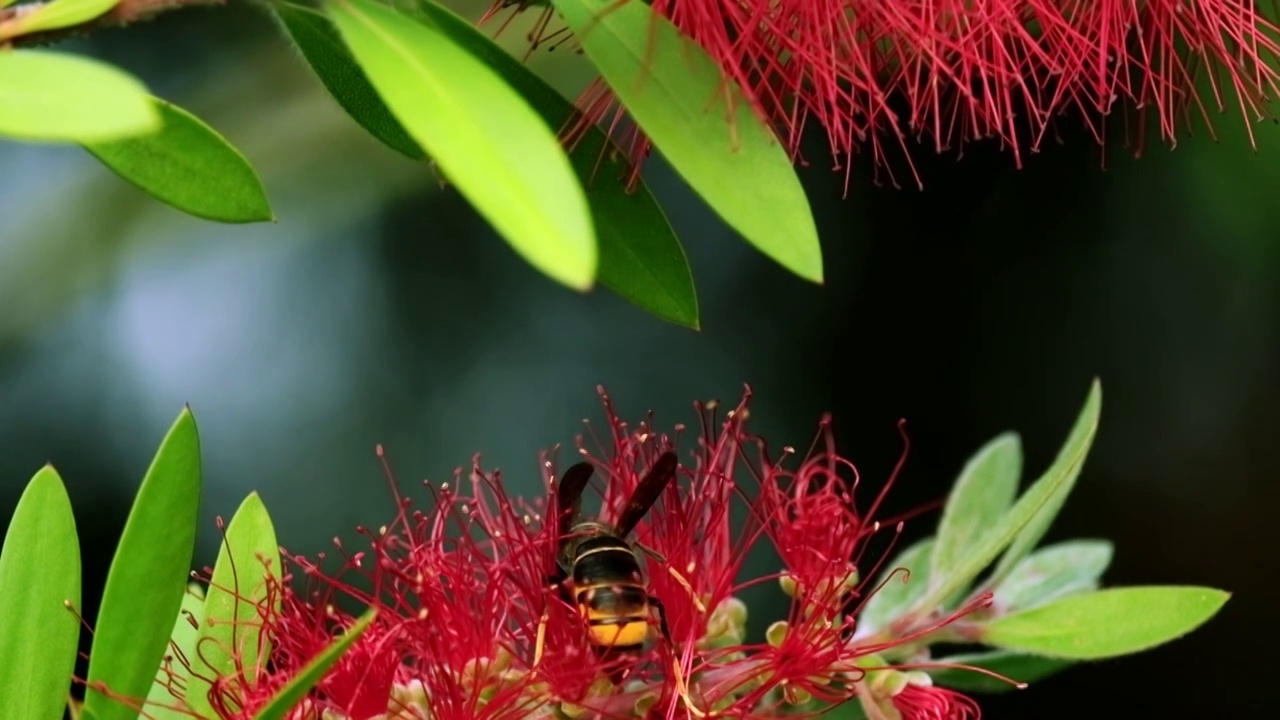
(469, 626)
(883, 75)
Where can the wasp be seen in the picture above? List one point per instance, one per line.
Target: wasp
(599, 570)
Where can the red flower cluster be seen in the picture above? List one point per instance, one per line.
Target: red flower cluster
(880, 73)
(464, 602)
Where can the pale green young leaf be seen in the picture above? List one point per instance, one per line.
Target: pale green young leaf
(39, 579)
(640, 257)
(54, 97)
(488, 141)
(1067, 465)
(231, 642)
(164, 702)
(896, 595)
(1107, 623)
(296, 689)
(1013, 665)
(982, 494)
(148, 576)
(1029, 508)
(702, 124)
(54, 15)
(1053, 572)
(189, 166)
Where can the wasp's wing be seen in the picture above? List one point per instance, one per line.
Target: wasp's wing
(569, 495)
(647, 492)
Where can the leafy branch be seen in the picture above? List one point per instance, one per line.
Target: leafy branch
(124, 13)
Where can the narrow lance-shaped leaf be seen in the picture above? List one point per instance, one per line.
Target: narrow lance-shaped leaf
(897, 589)
(1047, 489)
(981, 496)
(189, 166)
(1016, 666)
(231, 642)
(39, 578)
(55, 97)
(1053, 572)
(485, 137)
(640, 257)
(148, 576)
(165, 699)
(1107, 623)
(54, 15)
(1071, 466)
(322, 46)
(296, 689)
(677, 94)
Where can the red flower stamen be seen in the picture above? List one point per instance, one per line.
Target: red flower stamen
(884, 74)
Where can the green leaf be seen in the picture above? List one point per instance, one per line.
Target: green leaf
(164, 703)
(148, 576)
(39, 579)
(895, 596)
(1030, 508)
(296, 689)
(676, 93)
(1107, 623)
(847, 710)
(324, 51)
(1013, 665)
(54, 15)
(640, 257)
(980, 497)
(485, 137)
(231, 641)
(190, 166)
(1067, 467)
(1054, 572)
(55, 97)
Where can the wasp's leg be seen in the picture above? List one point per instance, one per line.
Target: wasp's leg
(559, 583)
(682, 687)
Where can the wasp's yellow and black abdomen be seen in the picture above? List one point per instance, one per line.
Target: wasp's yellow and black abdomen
(610, 592)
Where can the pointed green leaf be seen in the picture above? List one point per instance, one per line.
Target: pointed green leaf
(1068, 464)
(189, 166)
(322, 46)
(39, 578)
(1013, 665)
(64, 98)
(165, 699)
(54, 15)
(980, 497)
(1107, 623)
(485, 137)
(1045, 495)
(1054, 572)
(676, 93)
(897, 595)
(148, 576)
(231, 641)
(296, 689)
(640, 257)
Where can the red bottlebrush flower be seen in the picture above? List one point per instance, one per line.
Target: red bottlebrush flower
(920, 699)
(880, 73)
(469, 626)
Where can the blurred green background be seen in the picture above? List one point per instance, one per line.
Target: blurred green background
(380, 309)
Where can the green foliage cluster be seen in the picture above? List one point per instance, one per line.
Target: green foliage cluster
(1048, 611)
(435, 89)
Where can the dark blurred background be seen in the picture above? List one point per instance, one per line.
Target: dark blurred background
(380, 309)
